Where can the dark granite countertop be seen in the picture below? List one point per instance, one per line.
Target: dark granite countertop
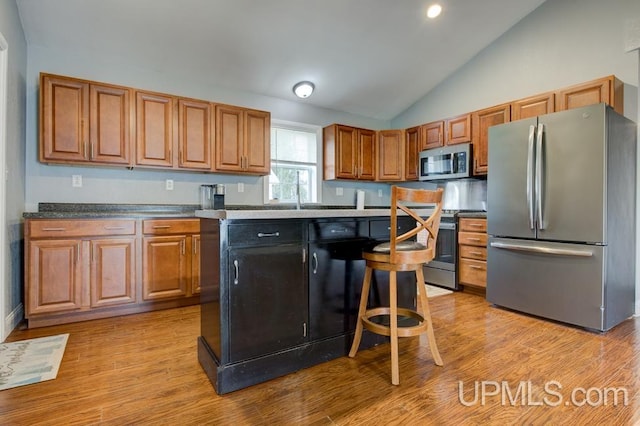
(137, 211)
(473, 214)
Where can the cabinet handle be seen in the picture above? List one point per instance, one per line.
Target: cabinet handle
(476, 267)
(183, 247)
(477, 225)
(237, 270)
(268, 234)
(195, 246)
(315, 263)
(161, 226)
(473, 239)
(180, 158)
(340, 231)
(78, 253)
(113, 228)
(90, 151)
(53, 229)
(477, 253)
(304, 329)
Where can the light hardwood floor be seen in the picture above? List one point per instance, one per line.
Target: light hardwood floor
(143, 369)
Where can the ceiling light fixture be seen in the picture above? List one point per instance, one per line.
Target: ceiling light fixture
(304, 89)
(434, 11)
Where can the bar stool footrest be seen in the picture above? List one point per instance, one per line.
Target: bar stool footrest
(385, 330)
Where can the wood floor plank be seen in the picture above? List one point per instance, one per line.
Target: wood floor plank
(143, 369)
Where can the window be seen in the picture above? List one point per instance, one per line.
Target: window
(294, 164)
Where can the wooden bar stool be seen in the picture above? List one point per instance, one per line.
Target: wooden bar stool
(402, 254)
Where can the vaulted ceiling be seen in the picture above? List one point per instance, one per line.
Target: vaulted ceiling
(373, 58)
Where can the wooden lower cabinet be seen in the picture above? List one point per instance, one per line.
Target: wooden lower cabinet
(93, 268)
(472, 252)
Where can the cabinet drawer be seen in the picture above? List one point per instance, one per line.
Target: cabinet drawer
(473, 252)
(472, 239)
(266, 233)
(337, 230)
(473, 272)
(79, 228)
(171, 226)
(473, 224)
(381, 228)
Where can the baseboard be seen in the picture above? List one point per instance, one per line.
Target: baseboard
(13, 319)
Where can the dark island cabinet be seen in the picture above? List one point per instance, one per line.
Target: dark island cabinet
(280, 295)
(267, 300)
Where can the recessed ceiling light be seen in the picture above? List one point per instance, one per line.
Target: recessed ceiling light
(304, 89)
(434, 11)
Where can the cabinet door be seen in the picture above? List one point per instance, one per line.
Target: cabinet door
(229, 138)
(112, 271)
(413, 144)
(482, 120)
(533, 106)
(267, 300)
(432, 135)
(110, 124)
(390, 155)
(607, 89)
(336, 270)
(194, 135)
(195, 264)
(54, 276)
(366, 154)
(458, 129)
(164, 267)
(154, 130)
(346, 145)
(64, 119)
(257, 136)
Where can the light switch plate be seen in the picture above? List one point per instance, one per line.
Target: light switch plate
(168, 184)
(240, 187)
(339, 191)
(380, 193)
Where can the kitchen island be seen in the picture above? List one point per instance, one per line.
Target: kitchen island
(280, 289)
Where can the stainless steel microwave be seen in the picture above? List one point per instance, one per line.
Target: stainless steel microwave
(447, 162)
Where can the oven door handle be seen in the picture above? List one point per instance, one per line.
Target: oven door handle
(451, 226)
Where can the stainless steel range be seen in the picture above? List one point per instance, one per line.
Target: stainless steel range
(459, 195)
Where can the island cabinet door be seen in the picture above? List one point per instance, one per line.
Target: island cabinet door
(336, 270)
(267, 300)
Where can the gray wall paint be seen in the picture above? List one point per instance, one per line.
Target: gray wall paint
(11, 29)
(561, 43)
(52, 183)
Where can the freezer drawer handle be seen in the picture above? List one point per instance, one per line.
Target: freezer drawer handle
(544, 250)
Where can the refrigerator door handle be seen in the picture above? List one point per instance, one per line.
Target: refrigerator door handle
(541, 249)
(530, 171)
(539, 181)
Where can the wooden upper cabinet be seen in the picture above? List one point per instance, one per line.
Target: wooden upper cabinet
(482, 120)
(391, 158)
(110, 124)
(432, 135)
(243, 140)
(257, 138)
(608, 89)
(64, 119)
(533, 106)
(194, 134)
(458, 129)
(413, 143)
(366, 158)
(154, 129)
(349, 153)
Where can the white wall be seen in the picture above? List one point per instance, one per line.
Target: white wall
(52, 183)
(11, 279)
(561, 43)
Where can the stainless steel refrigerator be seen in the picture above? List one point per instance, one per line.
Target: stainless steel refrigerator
(561, 216)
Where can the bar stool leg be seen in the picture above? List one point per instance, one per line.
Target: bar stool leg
(366, 283)
(393, 305)
(426, 314)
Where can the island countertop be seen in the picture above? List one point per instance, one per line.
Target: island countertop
(298, 214)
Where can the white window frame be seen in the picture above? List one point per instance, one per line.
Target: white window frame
(290, 125)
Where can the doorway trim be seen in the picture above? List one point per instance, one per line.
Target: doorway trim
(4, 58)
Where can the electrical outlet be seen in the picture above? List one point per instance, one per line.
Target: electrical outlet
(339, 191)
(379, 193)
(76, 181)
(240, 187)
(168, 184)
